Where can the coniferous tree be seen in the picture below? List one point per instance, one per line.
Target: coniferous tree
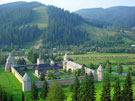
(76, 90)
(108, 68)
(34, 92)
(117, 91)
(11, 98)
(105, 96)
(85, 89)
(42, 77)
(4, 96)
(0, 94)
(23, 98)
(44, 90)
(127, 93)
(88, 90)
(119, 68)
(55, 92)
(82, 73)
(91, 88)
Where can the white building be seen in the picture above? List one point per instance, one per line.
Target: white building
(70, 65)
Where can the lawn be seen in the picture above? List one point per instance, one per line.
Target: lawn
(30, 73)
(10, 84)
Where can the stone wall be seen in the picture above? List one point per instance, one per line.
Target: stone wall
(16, 74)
(66, 81)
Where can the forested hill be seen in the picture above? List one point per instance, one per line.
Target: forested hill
(120, 16)
(22, 23)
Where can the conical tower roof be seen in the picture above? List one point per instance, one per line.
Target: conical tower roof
(26, 77)
(10, 57)
(100, 68)
(66, 57)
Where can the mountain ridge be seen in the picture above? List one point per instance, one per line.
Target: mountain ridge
(119, 16)
(56, 27)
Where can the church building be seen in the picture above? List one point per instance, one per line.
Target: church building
(98, 75)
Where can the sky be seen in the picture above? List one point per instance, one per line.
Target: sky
(73, 5)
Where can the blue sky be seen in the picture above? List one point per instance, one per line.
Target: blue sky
(73, 5)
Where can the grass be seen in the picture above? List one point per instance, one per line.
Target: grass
(10, 84)
(13, 87)
(98, 55)
(30, 73)
(40, 17)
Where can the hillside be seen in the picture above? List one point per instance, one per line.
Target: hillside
(23, 24)
(120, 16)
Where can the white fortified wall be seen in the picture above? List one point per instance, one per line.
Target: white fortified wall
(16, 74)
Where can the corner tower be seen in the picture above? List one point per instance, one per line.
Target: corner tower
(100, 73)
(10, 61)
(26, 84)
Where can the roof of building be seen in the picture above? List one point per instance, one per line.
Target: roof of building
(88, 70)
(100, 68)
(78, 66)
(47, 66)
(26, 77)
(74, 65)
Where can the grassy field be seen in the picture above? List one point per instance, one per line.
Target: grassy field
(30, 73)
(9, 83)
(104, 55)
(40, 17)
(13, 87)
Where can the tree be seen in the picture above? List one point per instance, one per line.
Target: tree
(44, 90)
(108, 68)
(55, 92)
(34, 92)
(105, 96)
(76, 90)
(21, 62)
(4, 96)
(50, 75)
(23, 97)
(42, 77)
(91, 88)
(117, 91)
(88, 89)
(119, 68)
(11, 98)
(82, 71)
(92, 66)
(127, 92)
(1, 93)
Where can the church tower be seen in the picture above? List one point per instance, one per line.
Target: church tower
(100, 73)
(66, 58)
(40, 60)
(10, 61)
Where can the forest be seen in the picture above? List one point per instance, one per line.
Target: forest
(65, 30)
